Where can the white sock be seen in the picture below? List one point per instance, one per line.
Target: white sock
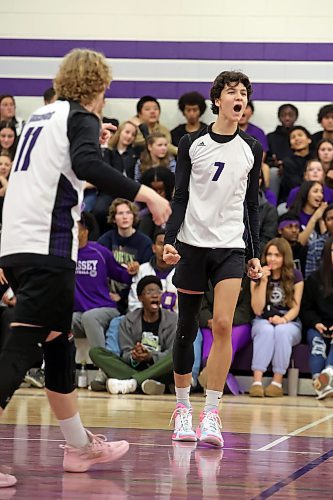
(257, 383)
(74, 432)
(183, 396)
(277, 384)
(212, 399)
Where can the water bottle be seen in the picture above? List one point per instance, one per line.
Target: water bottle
(82, 381)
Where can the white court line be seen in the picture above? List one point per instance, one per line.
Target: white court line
(295, 433)
(168, 446)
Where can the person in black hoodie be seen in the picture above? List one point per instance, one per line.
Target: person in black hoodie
(317, 318)
(294, 164)
(278, 141)
(279, 146)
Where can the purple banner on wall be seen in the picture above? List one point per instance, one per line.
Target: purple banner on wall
(260, 51)
(173, 90)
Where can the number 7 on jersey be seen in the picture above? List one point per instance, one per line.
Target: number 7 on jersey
(220, 167)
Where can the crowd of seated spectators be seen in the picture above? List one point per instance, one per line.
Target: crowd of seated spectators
(125, 302)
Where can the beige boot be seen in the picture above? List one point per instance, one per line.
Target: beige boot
(256, 391)
(272, 391)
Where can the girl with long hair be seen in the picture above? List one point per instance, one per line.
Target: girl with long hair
(8, 138)
(121, 152)
(317, 317)
(309, 206)
(155, 154)
(275, 300)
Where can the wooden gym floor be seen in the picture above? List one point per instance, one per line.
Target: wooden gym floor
(280, 448)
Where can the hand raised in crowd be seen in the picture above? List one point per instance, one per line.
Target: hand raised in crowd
(318, 214)
(133, 267)
(266, 272)
(170, 255)
(254, 269)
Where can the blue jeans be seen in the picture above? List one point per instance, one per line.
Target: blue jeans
(321, 354)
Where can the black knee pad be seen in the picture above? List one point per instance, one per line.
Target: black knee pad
(22, 351)
(189, 306)
(59, 356)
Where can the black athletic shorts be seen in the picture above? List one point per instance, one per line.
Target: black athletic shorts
(199, 265)
(45, 296)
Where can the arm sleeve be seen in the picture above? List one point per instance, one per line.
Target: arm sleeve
(252, 204)
(87, 163)
(180, 198)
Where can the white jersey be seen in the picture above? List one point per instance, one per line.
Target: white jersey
(58, 150)
(41, 183)
(216, 189)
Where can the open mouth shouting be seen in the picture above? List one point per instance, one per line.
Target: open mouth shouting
(238, 108)
(155, 304)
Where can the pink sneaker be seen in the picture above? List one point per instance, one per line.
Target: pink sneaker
(98, 451)
(7, 480)
(183, 424)
(209, 429)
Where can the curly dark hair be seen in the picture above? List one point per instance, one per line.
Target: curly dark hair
(229, 78)
(192, 99)
(325, 111)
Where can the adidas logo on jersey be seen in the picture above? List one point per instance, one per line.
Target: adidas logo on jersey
(201, 144)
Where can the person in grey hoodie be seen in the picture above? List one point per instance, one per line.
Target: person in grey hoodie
(145, 339)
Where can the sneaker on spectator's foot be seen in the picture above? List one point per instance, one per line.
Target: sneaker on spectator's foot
(98, 451)
(152, 387)
(7, 480)
(117, 386)
(327, 392)
(183, 424)
(324, 378)
(35, 377)
(99, 382)
(209, 428)
(256, 391)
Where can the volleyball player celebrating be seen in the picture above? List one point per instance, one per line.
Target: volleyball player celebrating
(215, 217)
(58, 150)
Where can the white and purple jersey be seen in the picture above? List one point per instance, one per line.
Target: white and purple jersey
(57, 151)
(215, 204)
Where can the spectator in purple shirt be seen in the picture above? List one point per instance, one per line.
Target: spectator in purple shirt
(93, 305)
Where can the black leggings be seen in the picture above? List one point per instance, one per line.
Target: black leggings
(189, 306)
